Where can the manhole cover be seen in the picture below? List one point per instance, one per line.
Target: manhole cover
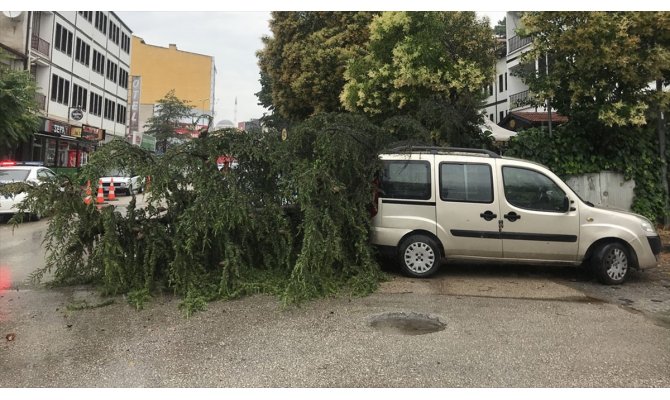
(406, 323)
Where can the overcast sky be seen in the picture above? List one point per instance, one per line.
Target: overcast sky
(232, 38)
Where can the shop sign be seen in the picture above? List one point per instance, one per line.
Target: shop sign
(92, 133)
(55, 127)
(75, 131)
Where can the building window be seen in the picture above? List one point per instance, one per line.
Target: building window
(505, 80)
(60, 89)
(109, 110)
(123, 78)
(63, 40)
(112, 70)
(491, 117)
(500, 83)
(121, 114)
(82, 52)
(502, 116)
(79, 95)
(101, 21)
(87, 15)
(96, 104)
(125, 42)
(98, 62)
(114, 32)
(490, 90)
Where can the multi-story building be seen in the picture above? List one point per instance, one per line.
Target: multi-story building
(81, 63)
(156, 70)
(507, 103)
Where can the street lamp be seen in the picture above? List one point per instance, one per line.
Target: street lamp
(203, 132)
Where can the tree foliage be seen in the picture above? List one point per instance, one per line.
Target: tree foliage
(18, 108)
(291, 219)
(169, 115)
(302, 63)
(600, 63)
(428, 65)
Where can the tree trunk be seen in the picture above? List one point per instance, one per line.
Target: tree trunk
(664, 163)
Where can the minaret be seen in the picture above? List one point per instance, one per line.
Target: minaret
(235, 112)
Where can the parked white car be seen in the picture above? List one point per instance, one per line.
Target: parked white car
(31, 173)
(474, 205)
(124, 182)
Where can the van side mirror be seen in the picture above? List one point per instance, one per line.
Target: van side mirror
(566, 205)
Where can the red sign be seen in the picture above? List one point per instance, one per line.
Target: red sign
(92, 133)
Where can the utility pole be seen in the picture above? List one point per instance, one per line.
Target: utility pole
(661, 150)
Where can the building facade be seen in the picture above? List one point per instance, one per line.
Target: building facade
(81, 63)
(508, 98)
(161, 69)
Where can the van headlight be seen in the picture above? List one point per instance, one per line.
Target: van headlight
(647, 226)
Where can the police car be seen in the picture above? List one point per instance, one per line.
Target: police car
(29, 172)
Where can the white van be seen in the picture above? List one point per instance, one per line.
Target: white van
(474, 205)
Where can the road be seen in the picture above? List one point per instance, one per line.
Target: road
(499, 326)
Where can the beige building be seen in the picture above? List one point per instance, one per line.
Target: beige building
(161, 69)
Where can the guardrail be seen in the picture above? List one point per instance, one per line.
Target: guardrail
(519, 99)
(517, 42)
(39, 44)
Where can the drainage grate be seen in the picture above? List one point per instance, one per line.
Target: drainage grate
(406, 323)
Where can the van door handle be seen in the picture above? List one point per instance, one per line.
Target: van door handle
(512, 216)
(488, 215)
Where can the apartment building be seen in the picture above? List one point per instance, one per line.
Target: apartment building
(81, 63)
(507, 102)
(157, 70)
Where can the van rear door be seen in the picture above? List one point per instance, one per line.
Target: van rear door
(407, 199)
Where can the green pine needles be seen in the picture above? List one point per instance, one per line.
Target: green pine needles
(291, 219)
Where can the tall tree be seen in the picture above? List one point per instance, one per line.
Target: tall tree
(171, 113)
(18, 109)
(303, 62)
(431, 65)
(600, 63)
(603, 69)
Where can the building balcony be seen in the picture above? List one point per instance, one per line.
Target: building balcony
(517, 42)
(519, 99)
(40, 45)
(41, 101)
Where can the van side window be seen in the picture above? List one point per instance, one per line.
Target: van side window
(466, 182)
(406, 180)
(532, 190)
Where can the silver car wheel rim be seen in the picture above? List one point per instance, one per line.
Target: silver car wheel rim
(419, 257)
(617, 264)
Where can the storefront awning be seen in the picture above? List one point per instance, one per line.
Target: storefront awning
(499, 134)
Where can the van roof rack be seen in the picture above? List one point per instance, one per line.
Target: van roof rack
(438, 149)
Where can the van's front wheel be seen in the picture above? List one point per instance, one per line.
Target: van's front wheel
(611, 263)
(419, 256)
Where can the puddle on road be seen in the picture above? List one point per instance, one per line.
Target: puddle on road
(410, 324)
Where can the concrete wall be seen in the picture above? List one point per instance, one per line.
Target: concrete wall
(606, 189)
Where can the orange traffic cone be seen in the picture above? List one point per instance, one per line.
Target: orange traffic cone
(88, 198)
(112, 195)
(101, 195)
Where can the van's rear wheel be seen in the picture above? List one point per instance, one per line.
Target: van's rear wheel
(419, 256)
(611, 263)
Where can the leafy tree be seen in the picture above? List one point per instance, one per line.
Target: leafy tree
(303, 62)
(169, 115)
(605, 70)
(600, 63)
(291, 220)
(18, 108)
(429, 65)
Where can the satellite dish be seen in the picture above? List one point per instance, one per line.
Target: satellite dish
(12, 14)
